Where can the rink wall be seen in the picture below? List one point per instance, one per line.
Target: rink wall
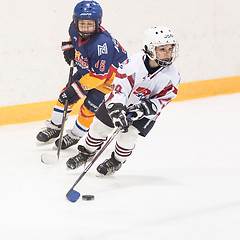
(33, 70)
(187, 91)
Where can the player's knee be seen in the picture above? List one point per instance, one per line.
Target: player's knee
(94, 100)
(98, 129)
(128, 139)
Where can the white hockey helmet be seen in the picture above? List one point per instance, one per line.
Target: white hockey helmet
(159, 36)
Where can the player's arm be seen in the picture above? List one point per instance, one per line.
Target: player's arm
(154, 105)
(92, 80)
(123, 84)
(165, 96)
(68, 51)
(97, 76)
(117, 99)
(100, 63)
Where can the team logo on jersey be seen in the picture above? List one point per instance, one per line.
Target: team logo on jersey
(85, 87)
(102, 49)
(121, 65)
(80, 60)
(142, 92)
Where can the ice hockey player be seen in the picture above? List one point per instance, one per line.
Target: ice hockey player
(143, 86)
(97, 56)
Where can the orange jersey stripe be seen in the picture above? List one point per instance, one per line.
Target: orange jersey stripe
(92, 80)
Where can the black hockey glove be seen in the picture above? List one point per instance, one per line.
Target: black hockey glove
(144, 108)
(71, 94)
(68, 52)
(117, 113)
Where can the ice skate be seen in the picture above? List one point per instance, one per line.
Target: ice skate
(51, 132)
(68, 140)
(109, 166)
(80, 159)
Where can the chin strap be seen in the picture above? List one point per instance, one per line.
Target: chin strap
(162, 63)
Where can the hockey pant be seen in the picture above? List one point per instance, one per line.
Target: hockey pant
(87, 111)
(125, 141)
(143, 125)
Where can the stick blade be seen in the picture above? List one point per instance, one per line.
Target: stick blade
(49, 159)
(73, 195)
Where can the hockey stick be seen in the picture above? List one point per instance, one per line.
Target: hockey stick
(51, 159)
(72, 194)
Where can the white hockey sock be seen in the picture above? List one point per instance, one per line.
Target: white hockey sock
(57, 115)
(121, 154)
(92, 144)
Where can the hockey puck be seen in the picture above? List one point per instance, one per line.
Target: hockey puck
(87, 197)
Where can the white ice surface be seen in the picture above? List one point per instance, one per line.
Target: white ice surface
(181, 183)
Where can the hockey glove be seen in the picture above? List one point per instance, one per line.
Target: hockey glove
(117, 113)
(144, 108)
(72, 94)
(68, 51)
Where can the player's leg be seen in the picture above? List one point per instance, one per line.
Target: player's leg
(86, 114)
(53, 126)
(96, 136)
(123, 149)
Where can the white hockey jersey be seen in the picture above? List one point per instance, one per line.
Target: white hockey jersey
(133, 83)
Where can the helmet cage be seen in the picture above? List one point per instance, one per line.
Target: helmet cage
(160, 36)
(151, 53)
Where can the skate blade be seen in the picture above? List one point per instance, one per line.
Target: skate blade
(49, 159)
(38, 143)
(70, 169)
(100, 175)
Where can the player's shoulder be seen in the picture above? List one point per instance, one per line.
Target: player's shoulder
(172, 73)
(72, 31)
(172, 69)
(138, 56)
(102, 37)
(101, 44)
(135, 58)
(132, 64)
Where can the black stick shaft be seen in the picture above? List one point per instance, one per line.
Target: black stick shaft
(65, 111)
(95, 158)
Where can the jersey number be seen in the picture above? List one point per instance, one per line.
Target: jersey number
(101, 66)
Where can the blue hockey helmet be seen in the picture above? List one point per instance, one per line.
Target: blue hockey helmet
(87, 10)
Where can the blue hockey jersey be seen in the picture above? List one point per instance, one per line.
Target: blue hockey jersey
(97, 59)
